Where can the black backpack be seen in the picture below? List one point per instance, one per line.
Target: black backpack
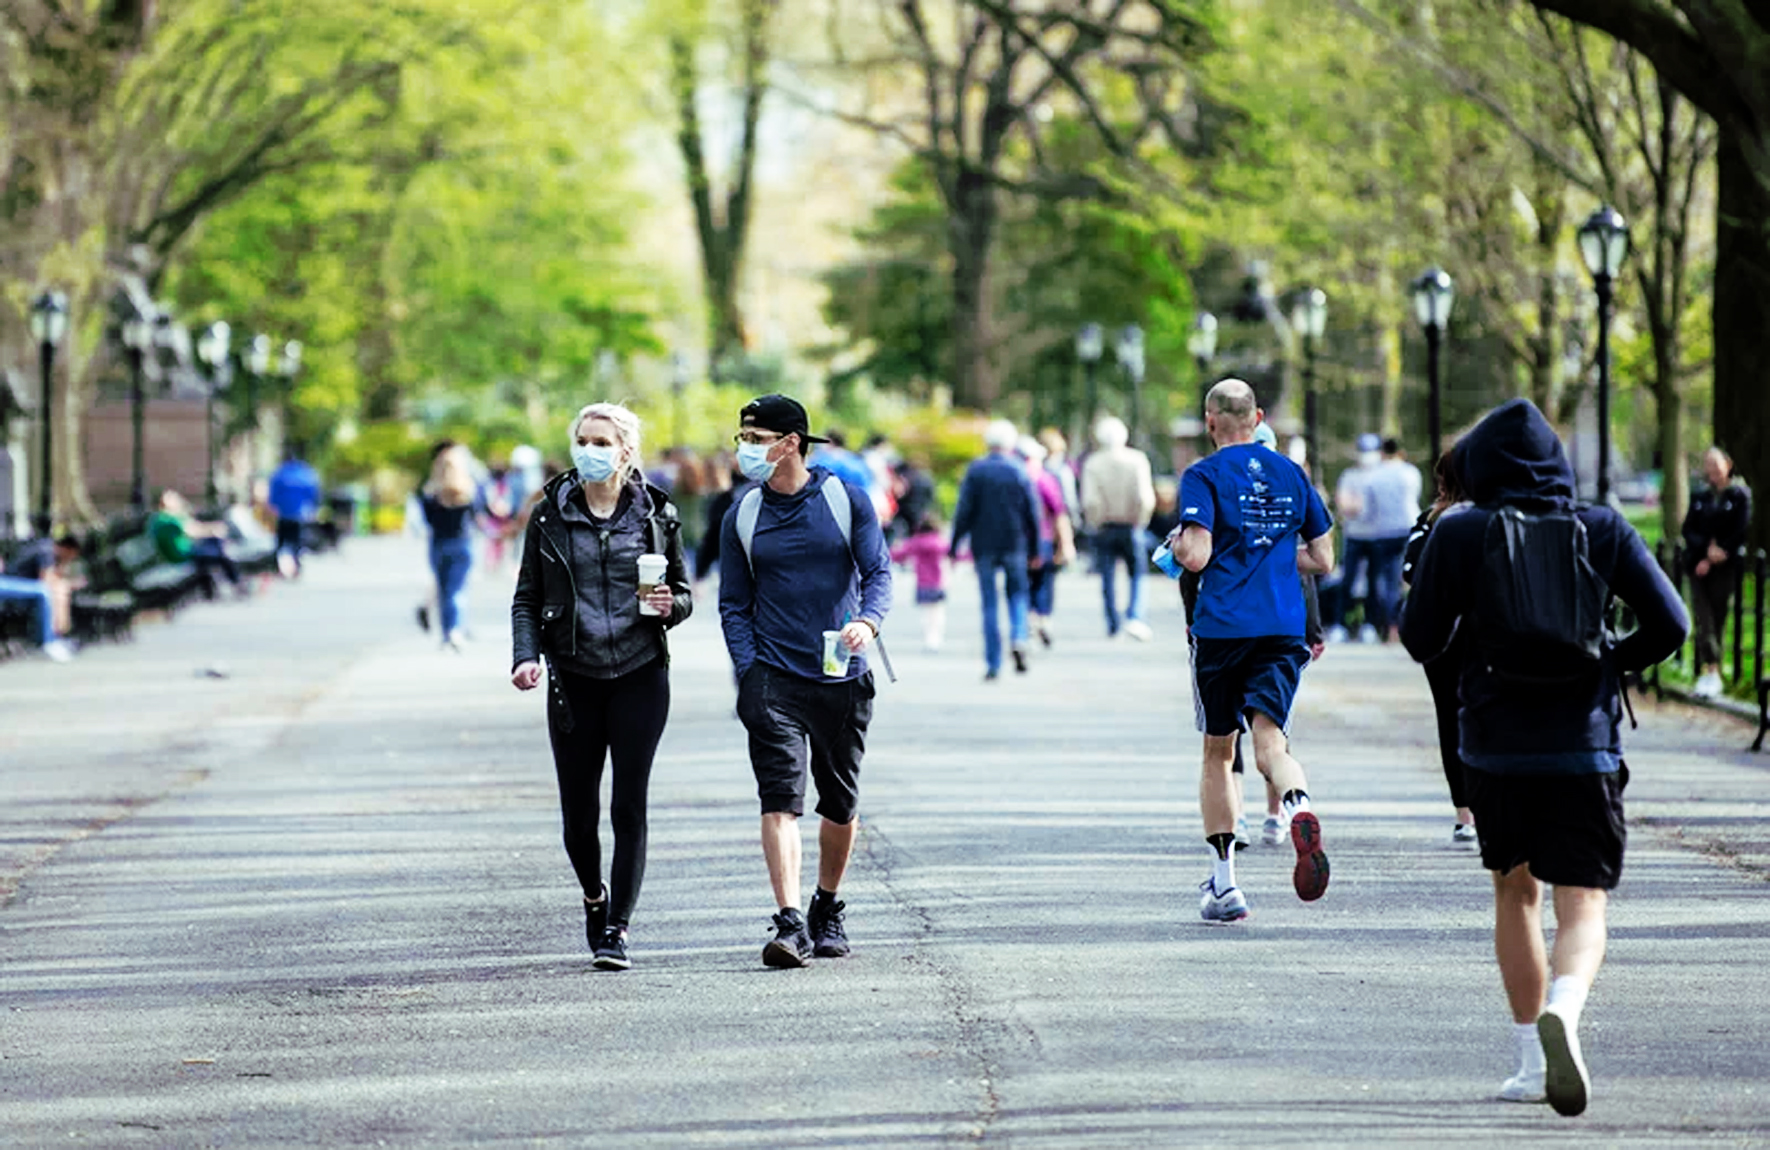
(1539, 605)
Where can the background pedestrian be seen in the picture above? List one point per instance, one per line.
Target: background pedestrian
(1713, 535)
(1118, 497)
(998, 514)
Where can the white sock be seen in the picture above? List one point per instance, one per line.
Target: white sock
(1528, 1046)
(1223, 873)
(1567, 994)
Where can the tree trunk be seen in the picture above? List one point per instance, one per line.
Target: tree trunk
(970, 238)
(1741, 317)
(1674, 496)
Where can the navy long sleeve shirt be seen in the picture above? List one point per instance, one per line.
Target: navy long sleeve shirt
(800, 579)
(998, 508)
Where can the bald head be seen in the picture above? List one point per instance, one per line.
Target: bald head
(1231, 413)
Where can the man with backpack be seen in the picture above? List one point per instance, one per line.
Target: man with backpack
(801, 556)
(1527, 576)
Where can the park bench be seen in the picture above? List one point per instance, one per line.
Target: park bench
(155, 584)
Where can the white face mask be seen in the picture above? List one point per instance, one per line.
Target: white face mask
(594, 463)
(753, 461)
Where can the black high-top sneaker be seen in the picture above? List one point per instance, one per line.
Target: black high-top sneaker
(824, 924)
(791, 946)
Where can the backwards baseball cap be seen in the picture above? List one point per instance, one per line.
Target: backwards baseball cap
(780, 414)
(1370, 441)
(1265, 436)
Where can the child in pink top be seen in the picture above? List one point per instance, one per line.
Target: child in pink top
(926, 548)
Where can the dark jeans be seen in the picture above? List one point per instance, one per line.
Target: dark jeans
(209, 556)
(1113, 543)
(1042, 581)
(1710, 596)
(289, 540)
(1381, 561)
(591, 721)
(1014, 583)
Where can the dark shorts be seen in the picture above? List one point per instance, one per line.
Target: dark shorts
(1569, 828)
(1233, 677)
(931, 595)
(289, 535)
(795, 723)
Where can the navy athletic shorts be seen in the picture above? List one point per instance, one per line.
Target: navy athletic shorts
(1232, 678)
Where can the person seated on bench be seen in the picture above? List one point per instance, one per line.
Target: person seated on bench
(180, 538)
(39, 575)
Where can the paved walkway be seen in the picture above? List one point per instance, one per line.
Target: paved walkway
(321, 900)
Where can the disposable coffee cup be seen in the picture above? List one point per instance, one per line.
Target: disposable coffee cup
(651, 573)
(835, 655)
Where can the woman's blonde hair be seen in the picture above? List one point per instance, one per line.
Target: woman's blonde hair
(451, 477)
(626, 426)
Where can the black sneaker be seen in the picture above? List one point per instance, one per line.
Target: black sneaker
(424, 618)
(828, 939)
(611, 950)
(595, 919)
(1020, 660)
(791, 946)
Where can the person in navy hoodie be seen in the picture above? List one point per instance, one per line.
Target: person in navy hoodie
(789, 570)
(1544, 770)
(999, 513)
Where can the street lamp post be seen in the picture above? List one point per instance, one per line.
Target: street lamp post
(1433, 293)
(138, 337)
(212, 348)
(1202, 343)
(1129, 351)
(49, 324)
(1089, 344)
(1604, 245)
(1309, 318)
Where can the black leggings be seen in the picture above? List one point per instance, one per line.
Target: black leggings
(1711, 595)
(590, 721)
(1444, 675)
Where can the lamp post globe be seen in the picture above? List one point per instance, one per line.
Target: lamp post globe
(1604, 245)
(1202, 342)
(290, 365)
(49, 326)
(1433, 293)
(1129, 351)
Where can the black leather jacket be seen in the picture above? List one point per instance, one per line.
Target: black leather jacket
(549, 592)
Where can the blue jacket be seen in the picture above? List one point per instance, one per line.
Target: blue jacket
(806, 580)
(295, 491)
(1512, 458)
(998, 508)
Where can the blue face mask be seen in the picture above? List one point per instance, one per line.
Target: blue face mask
(594, 464)
(753, 461)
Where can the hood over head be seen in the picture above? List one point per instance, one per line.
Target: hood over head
(1514, 456)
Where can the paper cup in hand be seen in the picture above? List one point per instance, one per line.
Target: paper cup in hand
(651, 573)
(835, 655)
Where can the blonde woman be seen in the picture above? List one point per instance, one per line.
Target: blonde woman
(450, 502)
(578, 605)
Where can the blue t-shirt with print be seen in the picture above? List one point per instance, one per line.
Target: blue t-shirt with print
(1256, 504)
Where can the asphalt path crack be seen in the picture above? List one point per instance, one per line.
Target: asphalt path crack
(982, 1037)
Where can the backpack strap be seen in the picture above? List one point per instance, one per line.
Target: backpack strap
(835, 497)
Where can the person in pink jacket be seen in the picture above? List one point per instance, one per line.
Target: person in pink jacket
(926, 549)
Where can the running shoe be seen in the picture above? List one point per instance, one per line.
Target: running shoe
(1337, 634)
(791, 946)
(1708, 686)
(1221, 906)
(1464, 835)
(1139, 630)
(1310, 876)
(1368, 634)
(423, 613)
(1565, 1082)
(824, 924)
(1524, 1086)
(611, 951)
(1020, 660)
(1273, 829)
(1241, 832)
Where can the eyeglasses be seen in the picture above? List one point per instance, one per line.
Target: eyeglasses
(755, 440)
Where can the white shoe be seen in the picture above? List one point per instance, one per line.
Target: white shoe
(1464, 835)
(1272, 831)
(1139, 630)
(1368, 634)
(1228, 906)
(1241, 832)
(1708, 685)
(58, 650)
(1524, 1086)
(1566, 1082)
(1337, 634)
